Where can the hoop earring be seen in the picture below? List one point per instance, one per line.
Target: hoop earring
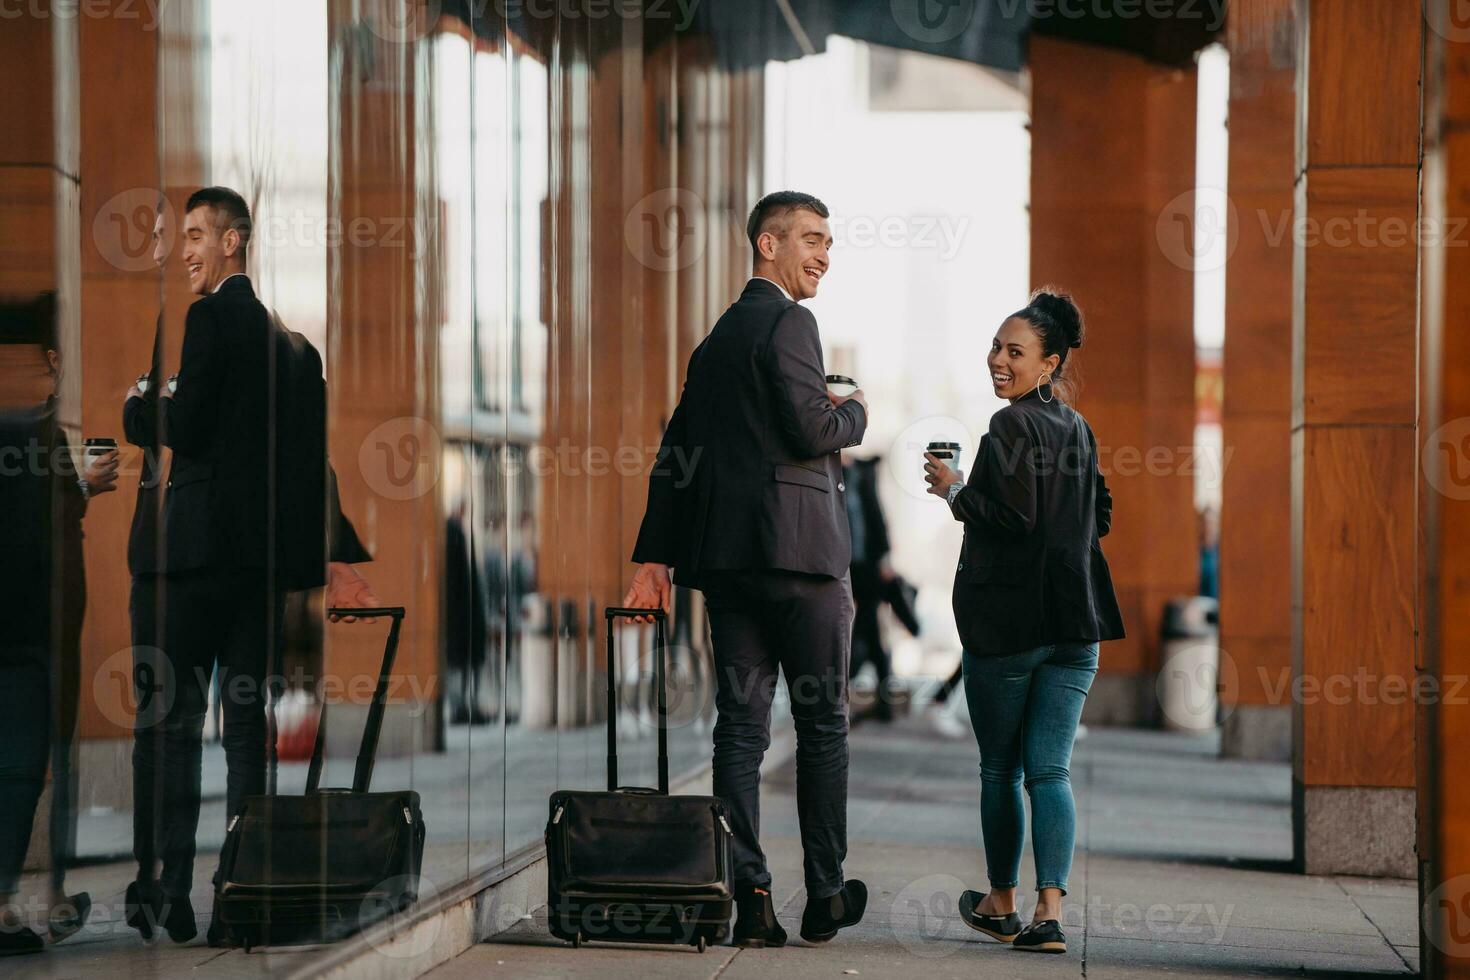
(1047, 382)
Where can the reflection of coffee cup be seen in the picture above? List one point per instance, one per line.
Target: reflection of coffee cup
(100, 446)
(947, 452)
(142, 383)
(173, 384)
(841, 385)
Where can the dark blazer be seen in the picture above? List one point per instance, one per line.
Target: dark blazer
(1032, 571)
(748, 475)
(249, 485)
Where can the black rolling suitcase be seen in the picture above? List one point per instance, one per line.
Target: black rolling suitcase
(637, 865)
(317, 867)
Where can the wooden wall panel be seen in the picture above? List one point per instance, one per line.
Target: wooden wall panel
(1357, 616)
(1365, 268)
(1365, 109)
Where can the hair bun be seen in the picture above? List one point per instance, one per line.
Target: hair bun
(1057, 308)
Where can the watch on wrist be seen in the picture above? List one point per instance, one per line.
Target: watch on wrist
(86, 488)
(954, 491)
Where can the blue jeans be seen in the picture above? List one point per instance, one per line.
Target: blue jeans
(1024, 709)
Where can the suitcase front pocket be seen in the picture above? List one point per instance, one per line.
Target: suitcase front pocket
(611, 841)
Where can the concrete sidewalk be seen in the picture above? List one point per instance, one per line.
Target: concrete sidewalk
(1181, 869)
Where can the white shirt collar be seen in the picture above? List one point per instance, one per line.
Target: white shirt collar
(227, 279)
(776, 284)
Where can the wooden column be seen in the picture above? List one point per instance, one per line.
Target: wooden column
(39, 173)
(1113, 140)
(120, 300)
(1444, 839)
(1255, 540)
(382, 358)
(1354, 451)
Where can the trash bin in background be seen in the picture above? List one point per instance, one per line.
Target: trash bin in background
(1188, 684)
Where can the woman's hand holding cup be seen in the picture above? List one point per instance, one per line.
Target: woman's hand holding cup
(939, 476)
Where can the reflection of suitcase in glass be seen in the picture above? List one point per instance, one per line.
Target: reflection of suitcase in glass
(320, 866)
(638, 865)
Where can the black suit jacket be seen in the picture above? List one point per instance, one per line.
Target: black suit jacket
(1032, 570)
(748, 475)
(249, 485)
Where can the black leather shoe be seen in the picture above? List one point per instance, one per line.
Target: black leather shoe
(19, 941)
(68, 918)
(1042, 937)
(143, 907)
(1002, 927)
(755, 920)
(178, 919)
(824, 916)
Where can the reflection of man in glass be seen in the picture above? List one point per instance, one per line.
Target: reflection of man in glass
(464, 621)
(519, 608)
(746, 503)
(43, 498)
(245, 514)
(870, 573)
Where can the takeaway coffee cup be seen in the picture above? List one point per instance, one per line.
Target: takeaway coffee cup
(142, 383)
(100, 446)
(173, 383)
(949, 452)
(841, 385)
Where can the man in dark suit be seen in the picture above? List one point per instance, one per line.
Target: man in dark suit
(249, 511)
(870, 577)
(746, 503)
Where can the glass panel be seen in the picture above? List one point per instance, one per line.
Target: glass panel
(490, 94)
(446, 187)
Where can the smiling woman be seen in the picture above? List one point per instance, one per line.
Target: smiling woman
(1033, 598)
(1030, 349)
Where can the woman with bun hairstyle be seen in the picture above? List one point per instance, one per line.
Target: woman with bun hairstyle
(1032, 599)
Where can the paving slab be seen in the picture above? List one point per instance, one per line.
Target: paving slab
(1181, 870)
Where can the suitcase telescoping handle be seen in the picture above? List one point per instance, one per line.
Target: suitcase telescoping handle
(660, 624)
(367, 752)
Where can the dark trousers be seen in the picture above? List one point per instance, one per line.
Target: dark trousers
(867, 638)
(225, 618)
(38, 709)
(25, 708)
(762, 622)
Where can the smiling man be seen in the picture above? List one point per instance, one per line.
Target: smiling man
(249, 512)
(759, 524)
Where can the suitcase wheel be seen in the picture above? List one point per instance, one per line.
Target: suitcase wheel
(701, 944)
(577, 941)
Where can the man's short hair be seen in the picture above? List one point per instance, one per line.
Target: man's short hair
(774, 207)
(230, 208)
